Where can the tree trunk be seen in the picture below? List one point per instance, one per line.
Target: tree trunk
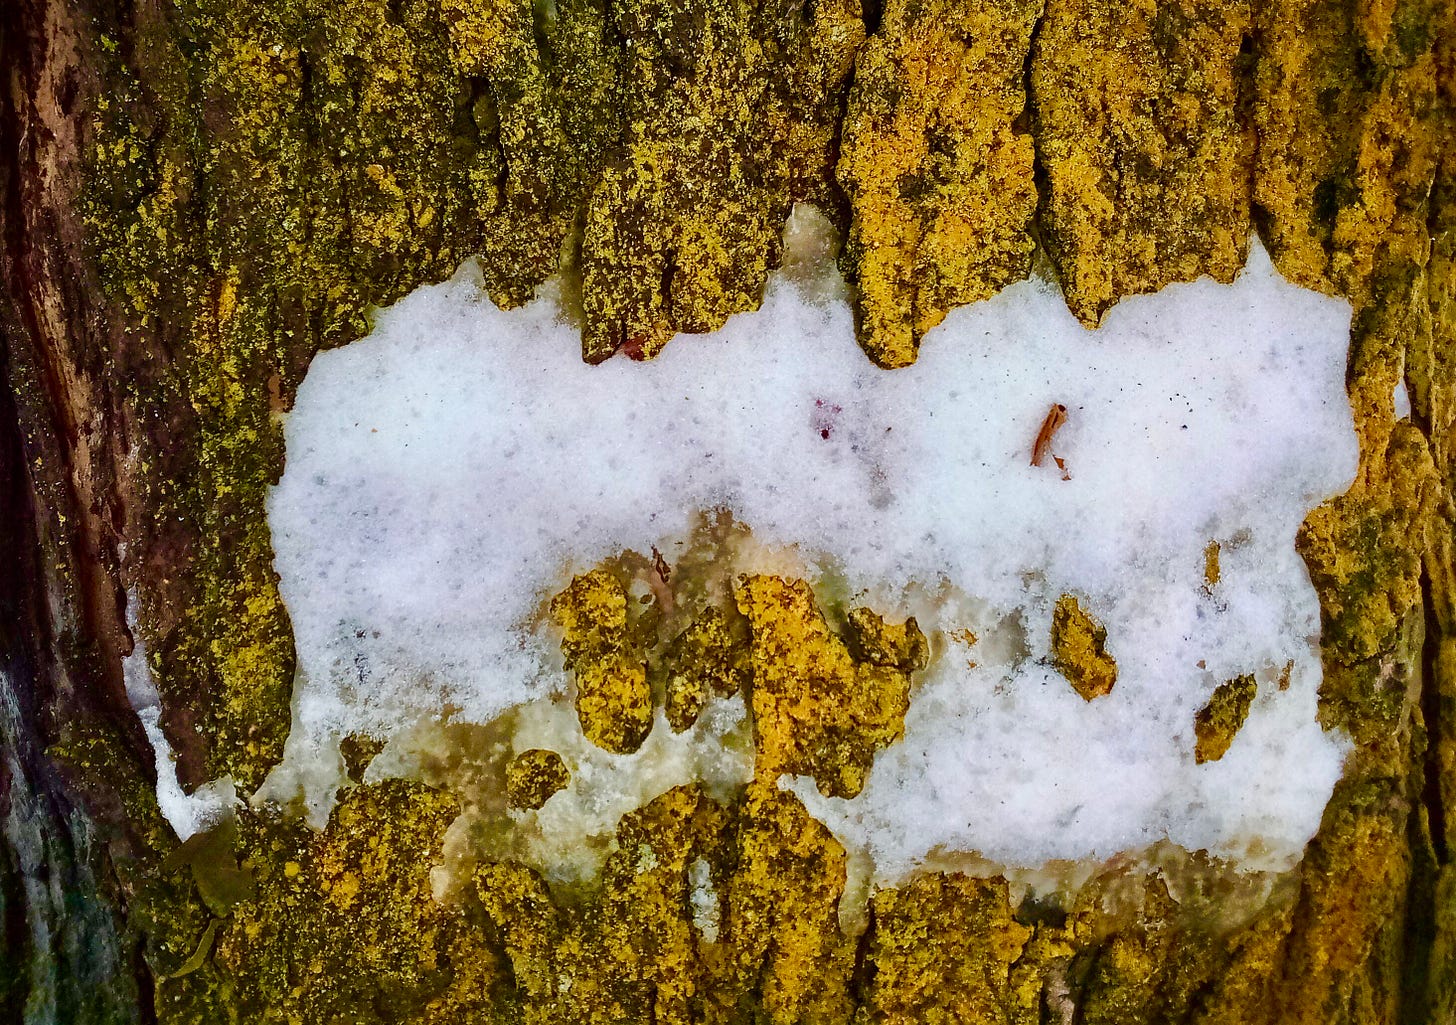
(197, 197)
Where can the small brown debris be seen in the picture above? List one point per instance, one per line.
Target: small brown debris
(660, 566)
(1285, 674)
(533, 776)
(1056, 416)
(1211, 570)
(1218, 722)
(657, 582)
(965, 638)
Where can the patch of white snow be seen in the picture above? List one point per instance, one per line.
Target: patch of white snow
(449, 472)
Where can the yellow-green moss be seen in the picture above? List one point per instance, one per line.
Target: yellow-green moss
(1211, 566)
(1079, 649)
(358, 750)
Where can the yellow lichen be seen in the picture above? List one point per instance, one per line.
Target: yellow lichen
(816, 710)
(943, 947)
(533, 776)
(1139, 134)
(937, 165)
(1219, 721)
(613, 698)
(1079, 649)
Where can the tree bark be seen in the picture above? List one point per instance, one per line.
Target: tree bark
(197, 197)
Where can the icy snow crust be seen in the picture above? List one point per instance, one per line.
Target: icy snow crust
(448, 473)
(186, 813)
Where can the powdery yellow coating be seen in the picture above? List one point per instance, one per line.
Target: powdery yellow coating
(613, 698)
(1079, 649)
(533, 776)
(1219, 721)
(937, 163)
(817, 710)
(1145, 157)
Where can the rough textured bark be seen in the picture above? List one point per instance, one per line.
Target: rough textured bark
(195, 197)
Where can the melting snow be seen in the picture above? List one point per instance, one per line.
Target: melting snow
(449, 472)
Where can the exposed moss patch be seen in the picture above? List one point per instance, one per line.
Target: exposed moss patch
(339, 925)
(1219, 721)
(632, 953)
(1364, 552)
(533, 776)
(1079, 649)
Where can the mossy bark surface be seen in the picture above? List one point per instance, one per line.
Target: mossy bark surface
(197, 196)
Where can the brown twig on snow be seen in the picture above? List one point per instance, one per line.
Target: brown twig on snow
(1056, 416)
